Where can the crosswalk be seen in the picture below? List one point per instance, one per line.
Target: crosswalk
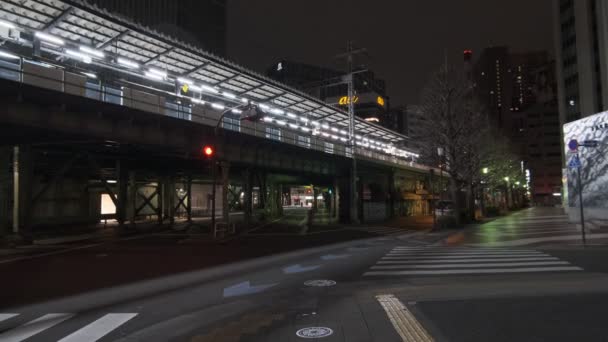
(37, 327)
(441, 261)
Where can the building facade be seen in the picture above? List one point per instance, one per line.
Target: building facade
(519, 91)
(370, 99)
(199, 22)
(581, 40)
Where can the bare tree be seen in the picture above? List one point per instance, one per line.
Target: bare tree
(457, 123)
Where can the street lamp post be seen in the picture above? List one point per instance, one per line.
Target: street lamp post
(482, 205)
(253, 113)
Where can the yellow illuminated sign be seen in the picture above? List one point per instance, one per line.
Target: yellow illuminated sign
(344, 100)
(380, 101)
(185, 88)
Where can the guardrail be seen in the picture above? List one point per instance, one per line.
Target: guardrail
(124, 92)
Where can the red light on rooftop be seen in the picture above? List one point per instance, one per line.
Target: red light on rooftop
(468, 52)
(208, 151)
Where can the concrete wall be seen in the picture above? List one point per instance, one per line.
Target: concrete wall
(594, 168)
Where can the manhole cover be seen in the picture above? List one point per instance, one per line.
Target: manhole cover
(314, 332)
(320, 283)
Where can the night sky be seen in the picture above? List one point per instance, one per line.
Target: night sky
(406, 39)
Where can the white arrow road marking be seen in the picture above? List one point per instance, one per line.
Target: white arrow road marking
(5, 316)
(99, 328)
(245, 288)
(334, 256)
(299, 268)
(32, 328)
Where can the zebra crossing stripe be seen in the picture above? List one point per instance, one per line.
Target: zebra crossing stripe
(461, 253)
(473, 271)
(505, 264)
(457, 261)
(99, 328)
(464, 257)
(5, 316)
(32, 328)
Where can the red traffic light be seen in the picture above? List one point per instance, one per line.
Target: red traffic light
(208, 151)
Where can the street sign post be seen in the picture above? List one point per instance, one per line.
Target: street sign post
(575, 163)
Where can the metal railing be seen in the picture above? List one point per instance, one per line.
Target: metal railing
(124, 92)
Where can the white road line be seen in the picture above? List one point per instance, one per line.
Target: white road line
(99, 328)
(482, 271)
(466, 257)
(34, 327)
(5, 316)
(460, 253)
(505, 264)
(404, 322)
(455, 249)
(528, 241)
(455, 261)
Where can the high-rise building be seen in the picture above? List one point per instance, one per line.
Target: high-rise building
(520, 93)
(199, 22)
(370, 100)
(581, 40)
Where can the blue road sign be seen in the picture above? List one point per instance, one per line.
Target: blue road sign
(573, 145)
(574, 163)
(590, 143)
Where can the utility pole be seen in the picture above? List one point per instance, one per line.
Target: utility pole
(354, 212)
(350, 53)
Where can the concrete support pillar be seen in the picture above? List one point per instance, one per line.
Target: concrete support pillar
(160, 210)
(392, 194)
(315, 202)
(121, 208)
(23, 180)
(248, 200)
(132, 203)
(225, 173)
(335, 210)
(170, 199)
(5, 187)
(189, 198)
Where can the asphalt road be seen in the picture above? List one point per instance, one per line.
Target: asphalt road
(404, 287)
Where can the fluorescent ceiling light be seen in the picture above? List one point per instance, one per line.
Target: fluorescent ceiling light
(303, 119)
(154, 76)
(89, 74)
(277, 111)
(314, 123)
(335, 137)
(292, 115)
(294, 126)
(160, 73)
(244, 100)
(209, 89)
(344, 132)
(197, 101)
(305, 129)
(111, 181)
(324, 134)
(334, 129)
(127, 63)
(229, 95)
(7, 25)
(184, 80)
(92, 52)
(8, 55)
(49, 38)
(267, 119)
(325, 126)
(264, 107)
(77, 54)
(218, 106)
(281, 123)
(237, 111)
